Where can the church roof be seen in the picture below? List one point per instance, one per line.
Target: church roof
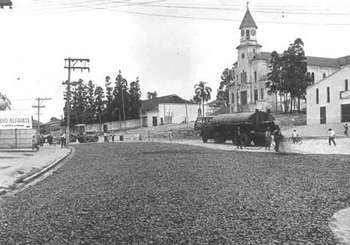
(248, 21)
(151, 104)
(313, 60)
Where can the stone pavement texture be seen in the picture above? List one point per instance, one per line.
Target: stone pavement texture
(15, 165)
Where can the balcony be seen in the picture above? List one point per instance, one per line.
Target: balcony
(345, 94)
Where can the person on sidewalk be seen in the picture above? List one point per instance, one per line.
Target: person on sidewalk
(105, 136)
(63, 139)
(35, 144)
(346, 129)
(294, 136)
(331, 137)
(277, 138)
(239, 138)
(267, 139)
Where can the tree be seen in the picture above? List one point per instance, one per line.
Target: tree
(274, 77)
(288, 74)
(107, 115)
(99, 103)
(135, 102)
(121, 95)
(5, 103)
(222, 95)
(90, 106)
(203, 92)
(152, 95)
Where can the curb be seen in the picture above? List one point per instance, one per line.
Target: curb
(37, 174)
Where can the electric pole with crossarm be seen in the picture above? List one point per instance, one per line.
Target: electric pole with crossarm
(38, 106)
(72, 64)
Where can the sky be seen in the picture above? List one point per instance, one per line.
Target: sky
(169, 44)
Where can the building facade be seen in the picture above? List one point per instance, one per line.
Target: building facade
(328, 101)
(248, 90)
(167, 110)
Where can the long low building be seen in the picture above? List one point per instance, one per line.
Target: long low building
(168, 109)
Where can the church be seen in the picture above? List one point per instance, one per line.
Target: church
(248, 90)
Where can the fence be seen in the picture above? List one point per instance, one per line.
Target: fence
(16, 138)
(114, 126)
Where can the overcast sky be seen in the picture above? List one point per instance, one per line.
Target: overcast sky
(169, 44)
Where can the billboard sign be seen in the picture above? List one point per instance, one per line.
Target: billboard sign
(10, 120)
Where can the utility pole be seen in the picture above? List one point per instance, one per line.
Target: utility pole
(38, 106)
(72, 64)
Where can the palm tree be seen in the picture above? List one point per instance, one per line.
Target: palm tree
(202, 91)
(5, 103)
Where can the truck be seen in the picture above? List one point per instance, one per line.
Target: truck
(79, 133)
(252, 127)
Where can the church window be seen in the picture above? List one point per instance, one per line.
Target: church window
(242, 55)
(346, 85)
(255, 76)
(247, 33)
(255, 94)
(262, 94)
(324, 75)
(242, 33)
(253, 51)
(328, 95)
(317, 96)
(313, 77)
(232, 98)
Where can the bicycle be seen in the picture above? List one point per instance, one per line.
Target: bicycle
(296, 140)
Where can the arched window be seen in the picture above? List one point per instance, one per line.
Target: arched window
(247, 33)
(324, 75)
(313, 77)
(317, 96)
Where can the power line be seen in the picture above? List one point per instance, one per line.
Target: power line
(39, 106)
(88, 6)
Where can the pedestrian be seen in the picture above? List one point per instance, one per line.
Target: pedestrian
(331, 137)
(267, 139)
(239, 138)
(105, 135)
(294, 136)
(63, 139)
(346, 129)
(277, 138)
(35, 143)
(113, 135)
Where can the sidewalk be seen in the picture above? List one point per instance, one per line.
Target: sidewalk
(15, 166)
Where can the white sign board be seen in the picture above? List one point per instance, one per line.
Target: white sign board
(10, 120)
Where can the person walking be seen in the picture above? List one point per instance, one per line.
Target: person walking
(331, 137)
(239, 138)
(277, 138)
(105, 135)
(346, 129)
(267, 139)
(63, 139)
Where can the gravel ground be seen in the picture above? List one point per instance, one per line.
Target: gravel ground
(152, 193)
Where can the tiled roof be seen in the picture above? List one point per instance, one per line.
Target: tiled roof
(314, 61)
(248, 21)
(151, 104)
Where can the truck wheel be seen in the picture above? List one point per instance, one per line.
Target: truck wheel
(245, 139)
(204, 139)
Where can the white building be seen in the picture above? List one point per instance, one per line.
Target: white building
(248, 90)
(168, 109)
(328, 101)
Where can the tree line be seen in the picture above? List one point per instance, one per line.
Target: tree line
(91, 103)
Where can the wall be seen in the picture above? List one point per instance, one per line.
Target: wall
(16, 138)
(180, 112)
(117, 125)
(319, 70)
(333, 108)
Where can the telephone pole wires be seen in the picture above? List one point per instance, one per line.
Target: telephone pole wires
(72, 64)
(38, 106)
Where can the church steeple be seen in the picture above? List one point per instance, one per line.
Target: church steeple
(248, 21)
(248, 29)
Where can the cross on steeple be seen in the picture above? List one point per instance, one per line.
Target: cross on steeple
(247, 4)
